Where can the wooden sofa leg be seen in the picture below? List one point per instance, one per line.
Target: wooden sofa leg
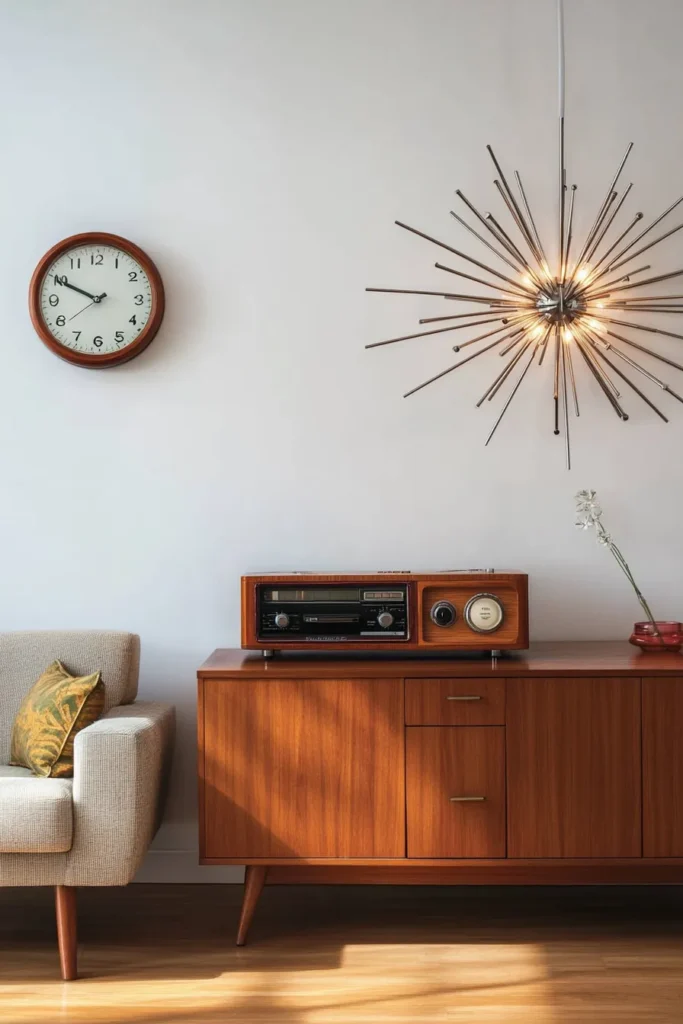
(65, 905)
(254, 879)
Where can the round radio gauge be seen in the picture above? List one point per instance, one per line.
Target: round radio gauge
(442, 613)
(281, 620)
(484, 613)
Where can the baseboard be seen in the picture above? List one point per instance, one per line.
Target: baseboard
(181, 866)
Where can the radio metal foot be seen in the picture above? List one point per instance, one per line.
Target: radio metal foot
(496, 654)
(268, 653)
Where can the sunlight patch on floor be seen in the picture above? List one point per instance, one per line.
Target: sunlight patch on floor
(385, 982)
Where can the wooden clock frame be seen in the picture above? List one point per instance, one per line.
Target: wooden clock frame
(146, 335)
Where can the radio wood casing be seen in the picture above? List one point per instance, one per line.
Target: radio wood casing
(385, 611)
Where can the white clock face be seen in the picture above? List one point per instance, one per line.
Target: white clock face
(95, 299)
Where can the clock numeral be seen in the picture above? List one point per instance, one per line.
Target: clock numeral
(60, 321)
(133, 320)
(139, 299)
(116, 263)
(78, 262)
(77, 333)
(97, 341)
(54, 300)
(132, 275)
(119, 337)
(61, 280)
(96, 259)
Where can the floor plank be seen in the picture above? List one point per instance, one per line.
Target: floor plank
(160, 954)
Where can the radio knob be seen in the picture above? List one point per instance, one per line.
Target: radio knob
(442, 613)
(282, 620)
(385, 619)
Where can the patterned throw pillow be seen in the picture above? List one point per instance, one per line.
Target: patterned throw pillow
(57, 707)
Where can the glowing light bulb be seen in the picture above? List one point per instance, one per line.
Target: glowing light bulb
(567, 335)
(582, 273)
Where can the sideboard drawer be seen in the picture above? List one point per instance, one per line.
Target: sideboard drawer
(455, 701)
(455, 792)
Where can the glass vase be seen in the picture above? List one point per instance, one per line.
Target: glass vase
(668, 636)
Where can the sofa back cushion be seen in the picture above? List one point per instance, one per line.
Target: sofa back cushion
(25, 655)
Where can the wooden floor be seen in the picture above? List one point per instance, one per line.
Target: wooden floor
(164, 955)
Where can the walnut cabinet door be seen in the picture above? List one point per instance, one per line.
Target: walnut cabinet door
(663, 767)
(303, 768)
(455, 789)
(574, 767)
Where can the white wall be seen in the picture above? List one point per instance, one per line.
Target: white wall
(260, 150)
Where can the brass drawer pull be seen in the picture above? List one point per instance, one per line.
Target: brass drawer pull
(468, 697)
(467, 799)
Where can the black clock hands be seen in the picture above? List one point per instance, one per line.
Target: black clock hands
(63, 280)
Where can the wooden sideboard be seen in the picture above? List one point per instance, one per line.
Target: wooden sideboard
(561, 765)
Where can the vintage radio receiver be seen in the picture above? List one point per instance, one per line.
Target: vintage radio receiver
(469, 610)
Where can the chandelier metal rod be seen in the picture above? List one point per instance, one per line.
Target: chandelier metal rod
(556, 381)
(642, 369)
(630, 383)
(644, 248)
(479, 280)
(525, 233)
(610, 220)
(442, 295)
(641, 284)
(642, 234)
(646, 350)
(591, 295)
(545, 266)
(605, 201)
(581, 337)
(641, 327)
(570, 364)
(493, 388)
(506, 243)
(488, 245)
(470, 259)
(517, 214)
(644, 309)
(512, 395)
(455, 366)
(503, 237)
(565, 406)
(593, 276)
(466, 344)
(457, 316)
(438, 330)
(565, 255)
(651, 298)
(605, 390)
(594, 231)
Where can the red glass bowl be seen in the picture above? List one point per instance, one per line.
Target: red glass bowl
(670, 636)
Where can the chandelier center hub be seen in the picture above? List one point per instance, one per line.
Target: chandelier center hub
(558, 304)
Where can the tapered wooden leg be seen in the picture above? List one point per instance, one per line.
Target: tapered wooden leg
(254, 880)
(65, 905)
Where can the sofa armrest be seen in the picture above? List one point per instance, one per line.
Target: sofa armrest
(121, 769)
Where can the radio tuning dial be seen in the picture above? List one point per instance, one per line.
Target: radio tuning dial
(442, 613)
(282, 620)
(385, 619)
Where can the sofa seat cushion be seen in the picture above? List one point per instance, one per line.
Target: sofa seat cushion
(36, 815)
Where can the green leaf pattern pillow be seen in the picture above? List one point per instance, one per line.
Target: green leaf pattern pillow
(57, 707)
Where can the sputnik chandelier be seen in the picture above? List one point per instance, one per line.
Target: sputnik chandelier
(574, 316)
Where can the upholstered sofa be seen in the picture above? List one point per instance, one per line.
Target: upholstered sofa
(94, 828)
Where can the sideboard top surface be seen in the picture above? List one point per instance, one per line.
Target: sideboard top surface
(543, 659)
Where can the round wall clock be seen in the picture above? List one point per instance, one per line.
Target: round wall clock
(96, 299)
